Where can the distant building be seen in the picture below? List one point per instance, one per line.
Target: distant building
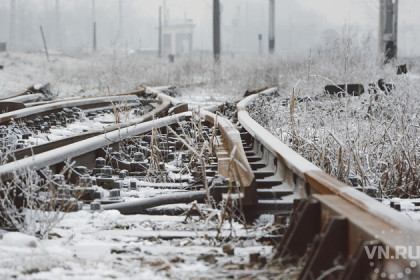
(177, 38)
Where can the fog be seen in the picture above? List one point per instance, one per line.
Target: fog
(300, 24)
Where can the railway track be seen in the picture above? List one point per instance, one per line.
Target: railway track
(189, 154)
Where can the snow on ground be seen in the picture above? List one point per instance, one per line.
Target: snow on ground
(103, 73)
(22, 70)
(104, 245)
(108, 245)
(79, 126)
(371, 141)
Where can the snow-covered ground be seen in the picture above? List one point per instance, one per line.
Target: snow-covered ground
(58, 132)
(101, 245)
(370, 140)
(103, 73)
(108, 245)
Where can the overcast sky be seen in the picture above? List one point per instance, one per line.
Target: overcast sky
(300, 24)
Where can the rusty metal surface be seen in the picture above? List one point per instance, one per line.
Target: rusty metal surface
(73, 150)
(138, 92)
(343, 209)
(161, 109)
(365, 226)
(398, 220)
(288, 157)
(27, 98)
(13, 95)
(241, 165)
(8, 106)
(55, 106)
(177, 106)
(368, 217)
(27, 95)
(59, 151)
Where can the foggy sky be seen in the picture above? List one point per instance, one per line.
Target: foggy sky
(300, 24)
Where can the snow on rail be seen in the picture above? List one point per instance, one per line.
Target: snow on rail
(85, 146)
(321, 182)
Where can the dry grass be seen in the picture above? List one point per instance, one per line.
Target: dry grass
(374, 137)
(34, 204)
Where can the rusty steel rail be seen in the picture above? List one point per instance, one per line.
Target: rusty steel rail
(177, 106)
(55, 106)
(31, 100)
(164, 104)
(241, 168)
(81, 150)
(345, 220)
(33, 94)
(339, 223)
(22, 94)
(28, 98)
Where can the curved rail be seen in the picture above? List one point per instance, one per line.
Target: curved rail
(27, 95)
(55, 106)
(346, 220)
(164, 104)
(58, 151)
(84, 147)
(368, 219)
(236, 157)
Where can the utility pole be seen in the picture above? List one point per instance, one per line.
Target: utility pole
(388, 29)
(45, 42)
(271, 27)
(93, 11)
(94, 37)
(12, 39)
(94, 25)
(216, 30)
(160, 32)
(57, 24)
(381, 45)
(395, 30)
(165, 16)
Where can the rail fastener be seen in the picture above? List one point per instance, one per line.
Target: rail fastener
(333, 218)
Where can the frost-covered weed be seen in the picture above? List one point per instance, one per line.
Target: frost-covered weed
(232, 76)
(374, 137)
(34, 205)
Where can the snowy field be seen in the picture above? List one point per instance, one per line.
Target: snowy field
(197, 78)
(375, 139)
(108, 245)
(370, 141)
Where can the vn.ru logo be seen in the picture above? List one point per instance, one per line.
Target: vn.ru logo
(391, 253)
(411, 254)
